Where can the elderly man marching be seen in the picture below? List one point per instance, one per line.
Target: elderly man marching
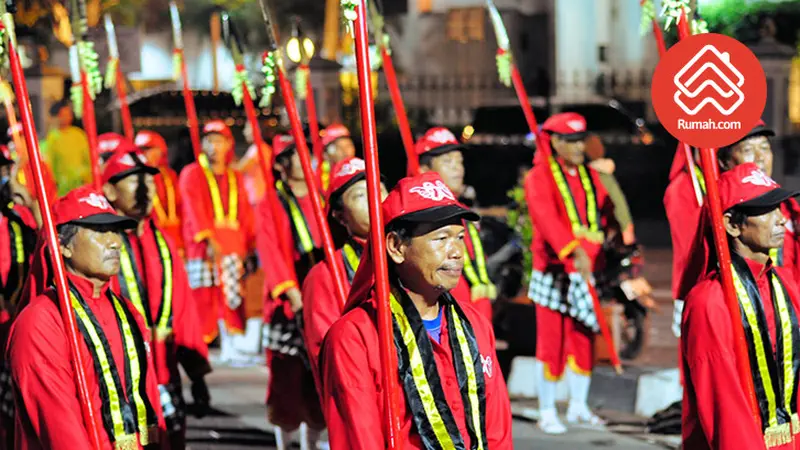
(155, 281)
(439, 151)
(716, 411)
(219, 236)
(445, 348)
(566, 251)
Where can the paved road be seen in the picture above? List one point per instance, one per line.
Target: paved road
(239, 422)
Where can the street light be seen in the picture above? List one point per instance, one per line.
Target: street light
(294, 51)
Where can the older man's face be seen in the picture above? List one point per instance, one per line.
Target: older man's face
(94, 252)
(434, 257)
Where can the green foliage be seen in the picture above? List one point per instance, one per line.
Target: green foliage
(742, 19)
(520, 221)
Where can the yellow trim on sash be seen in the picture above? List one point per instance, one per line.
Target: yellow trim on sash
(352, 258)
(120, 436)
(19, 246)
(163, 328)
(170, 214)
(282, 287)
(418, 374)
(700, 178)
(126, 266)
(480, 284)
(231, 221)
(592, 232)
(326, 175)
(472, 384)
(298, 219)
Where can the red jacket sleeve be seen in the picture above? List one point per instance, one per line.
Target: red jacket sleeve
(683, 216)
(545, 215)
(350, 400)
(279, 277)
(192, 349)
(707, 343)
(320, 311)
(48, 410)
(498, 408)
(197, 212)
(246, 213)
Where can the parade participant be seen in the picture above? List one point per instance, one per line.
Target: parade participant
(66, 150)
(250, 166)
(112, 338)
(445, 349)
(156, 283)
(292, 400)
(439, 151)
(218, 231)
(347, 208)
(716, 412)
(24, 171)
(567, 250)
(338, 145)
(167, 200)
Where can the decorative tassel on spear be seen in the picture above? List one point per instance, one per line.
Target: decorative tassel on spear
(377, 244)
(115, 79)
(91, 82)
(305, 161)
(382, 39)
(179, 71)
(49, 230)
(522, 95)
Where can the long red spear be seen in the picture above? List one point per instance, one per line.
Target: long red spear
(90, 83)
(506, 63)
(305, 162)
(648, 12)
(115, 78)
(179, 70)
(49, 230)
(382, 41)
(711, 173)
(378, 246)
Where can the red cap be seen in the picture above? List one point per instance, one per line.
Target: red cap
(423, 198)
(111, 142)
(124, 163)
(332, 133)
(760, 129)
(344, 174)
(150, 139)
(570, 126)
(217, 126)
(86, 206)
(5, 156)
(15, 129)
(282, 143)
(747, 186)
(437, 141)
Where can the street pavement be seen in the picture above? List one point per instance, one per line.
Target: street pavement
(239, 420)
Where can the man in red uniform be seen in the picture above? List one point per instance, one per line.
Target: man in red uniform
(155, 281)
(24, 171)
(288, 250)
(716, 412)
(338, 145)
(348, 209)
(167, 200)
(445, 348)
(567, 249)
(250, 166)
(439, 151)
(112, 338)
(218, 233)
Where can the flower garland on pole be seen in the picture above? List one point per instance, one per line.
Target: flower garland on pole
(115, 79)
(91, 82)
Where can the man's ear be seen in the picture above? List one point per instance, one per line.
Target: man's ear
(732, 230)
(66, 251)
(424, 168)
(110, 192)
(396, 248)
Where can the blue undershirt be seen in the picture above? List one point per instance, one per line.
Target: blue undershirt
(434, 327)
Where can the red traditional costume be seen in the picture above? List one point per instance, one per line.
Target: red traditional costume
(458, 371)
(716, 412)
(291, 394)
(216, 212)
(321, 305)
(113, 341)
(566, 321)
(328, 137)
(475, 285)
(155, 281)
(24, 169)
(167, 201)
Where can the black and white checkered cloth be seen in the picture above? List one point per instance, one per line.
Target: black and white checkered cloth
(173, 407)
(231, 275)
(202, 273)
(7, 407)
(285, 335)
(565, 293)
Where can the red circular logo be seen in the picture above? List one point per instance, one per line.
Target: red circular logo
(709, 90)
